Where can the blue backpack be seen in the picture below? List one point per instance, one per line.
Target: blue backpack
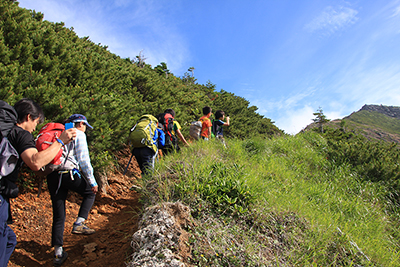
(8, 155)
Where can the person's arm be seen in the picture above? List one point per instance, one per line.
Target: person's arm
(36, 160)
(180, 135)
(227, 122)
(82, 155)
(209, 126)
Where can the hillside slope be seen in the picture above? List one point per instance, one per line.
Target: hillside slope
(376, 122)
(66, 74)
(282, 201)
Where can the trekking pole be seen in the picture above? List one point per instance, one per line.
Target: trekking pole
(40, 184)
(129, 162)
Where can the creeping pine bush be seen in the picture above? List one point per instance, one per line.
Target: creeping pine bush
(375, 161)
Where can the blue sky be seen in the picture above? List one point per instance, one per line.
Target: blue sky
(286, 57)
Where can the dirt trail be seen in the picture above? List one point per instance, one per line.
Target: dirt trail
(113, 216)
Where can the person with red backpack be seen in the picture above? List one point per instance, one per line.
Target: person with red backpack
(28, 114)
(172, 130)
(80, 179)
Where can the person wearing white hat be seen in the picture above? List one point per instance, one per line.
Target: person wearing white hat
(80, 180)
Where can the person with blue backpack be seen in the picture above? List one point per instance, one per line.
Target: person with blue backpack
(17, 124)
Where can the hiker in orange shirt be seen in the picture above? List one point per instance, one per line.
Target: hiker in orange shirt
(206, 123)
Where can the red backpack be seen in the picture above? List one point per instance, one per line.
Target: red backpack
(166, 122)
(46, 137)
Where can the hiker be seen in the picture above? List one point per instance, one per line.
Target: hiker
(166, 123)
(81, 181)
(146, 138)
(28, 115)
(206, 124)
(176, 131)
(217, 124)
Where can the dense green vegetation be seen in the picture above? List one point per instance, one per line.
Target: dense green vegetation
(374, 160)
(284, 201)
(66, 74)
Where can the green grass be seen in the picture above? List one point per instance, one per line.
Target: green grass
(376, 120)
(276, 202)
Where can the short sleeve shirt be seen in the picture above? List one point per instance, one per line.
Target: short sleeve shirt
(21, 140)
(177, 126)
(206, 123)
(217, 127)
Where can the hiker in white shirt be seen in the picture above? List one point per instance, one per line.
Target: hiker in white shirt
(80, 180)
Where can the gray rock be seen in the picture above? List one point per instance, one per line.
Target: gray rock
(157, 241)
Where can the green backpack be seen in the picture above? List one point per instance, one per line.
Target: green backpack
(142, 134)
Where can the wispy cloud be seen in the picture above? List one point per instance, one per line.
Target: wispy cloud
(378, 85)
(396, 11)
(293, 100)
(332, 20)
(285, 103)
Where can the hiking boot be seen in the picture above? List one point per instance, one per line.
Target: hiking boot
(82, 229)
(59, 260)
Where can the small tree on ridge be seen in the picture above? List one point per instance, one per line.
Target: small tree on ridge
(320, 119)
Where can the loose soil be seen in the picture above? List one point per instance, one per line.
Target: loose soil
(114, 216)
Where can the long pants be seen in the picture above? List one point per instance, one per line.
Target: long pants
(145, 157)
(8, 239)
(78, 185)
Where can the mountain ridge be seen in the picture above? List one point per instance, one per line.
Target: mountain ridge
(375, 122)
(391, 111)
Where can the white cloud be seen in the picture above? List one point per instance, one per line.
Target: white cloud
(333, 19)
(333, 115)
(294, 120)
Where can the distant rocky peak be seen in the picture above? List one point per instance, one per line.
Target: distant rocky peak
(390, 111)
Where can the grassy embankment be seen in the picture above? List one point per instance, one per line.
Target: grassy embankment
(276, 202)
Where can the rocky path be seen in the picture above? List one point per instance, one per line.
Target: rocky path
(113, 216)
